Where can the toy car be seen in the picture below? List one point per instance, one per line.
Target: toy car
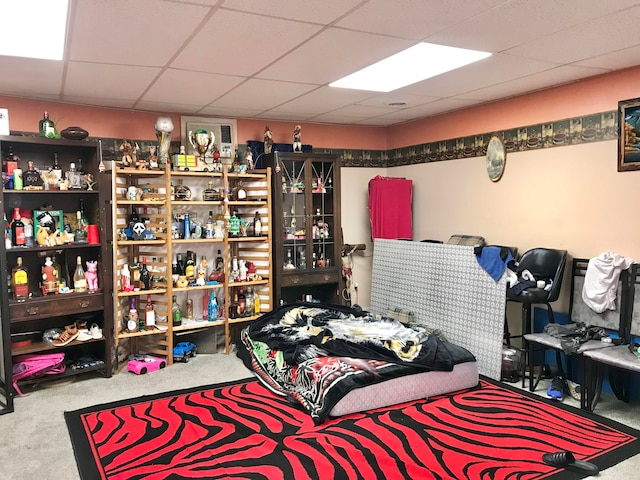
(183, 351)
(141, 364)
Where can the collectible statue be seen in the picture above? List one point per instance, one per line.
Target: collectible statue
(164, 128)
(297, 139)
(268, 139)
(127, 159)
(153, 158)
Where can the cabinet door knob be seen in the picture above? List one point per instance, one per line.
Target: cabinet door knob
(295, 280)
(33, 310)
(84, 303)
(326, 278)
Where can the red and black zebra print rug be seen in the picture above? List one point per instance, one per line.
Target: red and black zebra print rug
(241, 430)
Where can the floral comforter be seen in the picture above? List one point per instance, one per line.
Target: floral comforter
(315, 354)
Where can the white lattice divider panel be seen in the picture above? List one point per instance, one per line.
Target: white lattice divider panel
(447, 289)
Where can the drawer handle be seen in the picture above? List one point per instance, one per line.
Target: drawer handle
(33, 310)
(327, 277)
(295, 280)
(84, 303)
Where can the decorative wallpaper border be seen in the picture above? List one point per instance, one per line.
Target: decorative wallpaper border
(597, 127)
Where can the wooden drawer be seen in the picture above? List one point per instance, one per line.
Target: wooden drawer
(55, 306)
(318, 277)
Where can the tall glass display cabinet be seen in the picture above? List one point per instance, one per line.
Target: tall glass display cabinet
(307, 232)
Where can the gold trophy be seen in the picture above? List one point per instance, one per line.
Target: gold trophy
(201, 141)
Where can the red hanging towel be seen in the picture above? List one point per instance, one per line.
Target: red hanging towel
(390, 208)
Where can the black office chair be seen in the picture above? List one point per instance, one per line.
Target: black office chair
(545, 264)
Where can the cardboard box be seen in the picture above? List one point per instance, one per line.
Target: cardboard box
(58, 217)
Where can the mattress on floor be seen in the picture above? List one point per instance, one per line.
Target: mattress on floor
(404, 389)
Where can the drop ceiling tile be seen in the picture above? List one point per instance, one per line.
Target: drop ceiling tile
(26, 76)
(361, 111)
(313, 11)
(412, 19)
(531, 83)
(144, 32)
(100, 102)
(384, 99)
(262, 94)
(325, 58)
(490, 71)
(322, 100)
(191, 88)
(378, 122)
(430, 109)
(166, 107)
(614, 60)
(237, 43)
(229, 112)
(589, 39)
(108, 81)
(336, 118)
(518, 22)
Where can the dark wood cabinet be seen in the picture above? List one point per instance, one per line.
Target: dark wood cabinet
(25, 321)
(307, 234)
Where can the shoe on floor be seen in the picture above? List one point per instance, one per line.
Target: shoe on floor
(556, 388)
(573, 389)
(567, 460)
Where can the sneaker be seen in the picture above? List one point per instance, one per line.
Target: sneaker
(96, 331)
(556, 388)
(574, 389)
(83, 332)
(68, 335)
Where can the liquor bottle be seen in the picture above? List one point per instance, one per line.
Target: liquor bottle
(233, 308)
(74, 178)
(149, 313)
(176, 312)
(56, 169)
(134, 268)
(133, 324)
(256, 304)
(31, 179)
(289, 264)
(187, 227)
(210, 194)
(83, 215)
(189, 310)
(81, 176)
(175, 273)
(249, 303)
(257, 225)
(28, 232)
(241, 193)
(17, 229)
(8, 235)
(79, 280)
(79, 234)
(212, 308)
(234, 225)
(205, 305)
(49, 279)
(219, 262)
(125, 278)
(46, 127)
(202, 274)
(20, 280)
(60, 274)
(190, 268)
(133, 220)
(235, 270)
(182, 192)
(314, 260)
(208, 230)
(145, 275)
(242, 303)
(181, 264)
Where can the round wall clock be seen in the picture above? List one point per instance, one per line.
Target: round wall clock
(496, 157)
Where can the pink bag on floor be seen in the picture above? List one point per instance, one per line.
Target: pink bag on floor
(35, 365)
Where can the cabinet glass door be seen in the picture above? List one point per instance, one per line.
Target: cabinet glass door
(323, 225)
(294, 215)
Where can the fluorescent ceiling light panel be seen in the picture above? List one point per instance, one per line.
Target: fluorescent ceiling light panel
(422, 61)
(33, 28)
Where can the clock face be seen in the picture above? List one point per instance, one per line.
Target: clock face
(496, 157)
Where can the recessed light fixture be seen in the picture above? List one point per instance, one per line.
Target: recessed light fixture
(422, 61)
(33, 28)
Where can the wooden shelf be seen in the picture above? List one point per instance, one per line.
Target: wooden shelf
(136, 293)
(123, 334)
(198, 287)
(43, 347)
(198, 326)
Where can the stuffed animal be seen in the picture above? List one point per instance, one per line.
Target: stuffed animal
(92, 275)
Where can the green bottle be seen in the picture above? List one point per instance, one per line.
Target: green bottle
(47, 128)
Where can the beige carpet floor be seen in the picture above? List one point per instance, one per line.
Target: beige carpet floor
(35, 444)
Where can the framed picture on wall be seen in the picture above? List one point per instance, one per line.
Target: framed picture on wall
(629, 135)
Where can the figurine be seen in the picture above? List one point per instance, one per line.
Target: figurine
(92, 276)
(248, 158)
(153, 158)
(164, 128)
(127, 154)
(297, 139)
(268, 139)
(49, 278)
(90, 181)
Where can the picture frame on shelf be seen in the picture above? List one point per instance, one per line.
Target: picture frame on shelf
(629, 135)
